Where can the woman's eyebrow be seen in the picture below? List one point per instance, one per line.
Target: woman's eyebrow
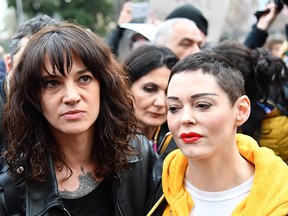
(203, 95)
(49, 74)
(193, 96)
(83, 71)
(172, 98)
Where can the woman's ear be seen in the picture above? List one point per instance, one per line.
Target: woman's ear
(243, 110)
(8, 62)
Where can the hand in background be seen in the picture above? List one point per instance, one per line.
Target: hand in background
(126, 13)
(266, 20)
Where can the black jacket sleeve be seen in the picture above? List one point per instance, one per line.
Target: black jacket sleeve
(114, 38)
(255, 38)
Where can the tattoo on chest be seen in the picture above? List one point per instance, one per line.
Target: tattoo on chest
(87, 184)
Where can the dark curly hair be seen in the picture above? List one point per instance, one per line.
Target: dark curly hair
(265, 78)
(26, 129)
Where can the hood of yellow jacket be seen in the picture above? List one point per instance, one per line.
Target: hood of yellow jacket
(269, 192)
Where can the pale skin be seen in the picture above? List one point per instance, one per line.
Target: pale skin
(204, 108)
(266, 20)
(185, 39)
(125, 13)
(150, 100)
(8, 61)
(71, 105)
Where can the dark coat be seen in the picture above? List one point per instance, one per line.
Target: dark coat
(255, 38)
(130, 191)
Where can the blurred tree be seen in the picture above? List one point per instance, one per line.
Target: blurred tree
(92, 14)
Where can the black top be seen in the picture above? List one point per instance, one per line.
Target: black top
(98, 202)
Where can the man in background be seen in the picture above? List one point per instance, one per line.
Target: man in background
(16, 46)
(181, 35)
(184, 31)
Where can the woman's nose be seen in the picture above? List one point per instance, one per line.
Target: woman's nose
(71, 94)
(188, 117)
(160, 99)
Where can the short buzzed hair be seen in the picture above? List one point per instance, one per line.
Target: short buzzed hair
(165, 29)
(227, 76)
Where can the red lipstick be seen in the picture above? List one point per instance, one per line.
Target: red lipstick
(190, 137)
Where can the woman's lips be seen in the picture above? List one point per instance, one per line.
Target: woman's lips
(157, 114)
(73, 115)
(190, 137)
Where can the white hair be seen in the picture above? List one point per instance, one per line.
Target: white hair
(165, 29)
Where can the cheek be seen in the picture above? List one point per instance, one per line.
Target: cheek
(217, 122)
(172, 122)
(48, 104)
(49, 115)
(47, 109)
(142, 100)
(43, 104)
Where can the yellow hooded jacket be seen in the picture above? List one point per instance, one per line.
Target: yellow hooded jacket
(268, 195)
(275, 134)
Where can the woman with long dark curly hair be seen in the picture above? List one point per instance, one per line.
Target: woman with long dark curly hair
(70, 130)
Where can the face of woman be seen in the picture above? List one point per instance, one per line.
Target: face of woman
(150, 97)
(200, 116)
(70, 104)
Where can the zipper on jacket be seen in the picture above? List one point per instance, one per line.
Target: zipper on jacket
(66, 211)
(119, 210)
(61, 208)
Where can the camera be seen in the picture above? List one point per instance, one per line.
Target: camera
(140, 10)
(279, 4)
(261, 10)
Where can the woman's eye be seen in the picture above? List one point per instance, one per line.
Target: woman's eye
(172, 109)
(150, 89)
(85, 79)
(51, 83)
(203, 106)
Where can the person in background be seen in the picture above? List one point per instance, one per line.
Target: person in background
(2, 63)
(16, 46)
(23, 34)
(259, 32)
(266, 79)
(283, 51)
(181, 35)
(191, 12)
(72, 147)
(115, 36)
(149, 68)
(273, 45)
(216, 171)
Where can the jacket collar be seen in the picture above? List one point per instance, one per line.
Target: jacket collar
(35, 204)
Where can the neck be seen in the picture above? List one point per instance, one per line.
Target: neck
(77, 149)
(149, 132)
(219, 174)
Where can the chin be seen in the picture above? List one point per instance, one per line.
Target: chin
(190, 153)
(154, 123)
(74, 131)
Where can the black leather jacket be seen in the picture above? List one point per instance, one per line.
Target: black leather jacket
(130, 191)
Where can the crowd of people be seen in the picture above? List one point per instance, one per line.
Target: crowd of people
(177, 126)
